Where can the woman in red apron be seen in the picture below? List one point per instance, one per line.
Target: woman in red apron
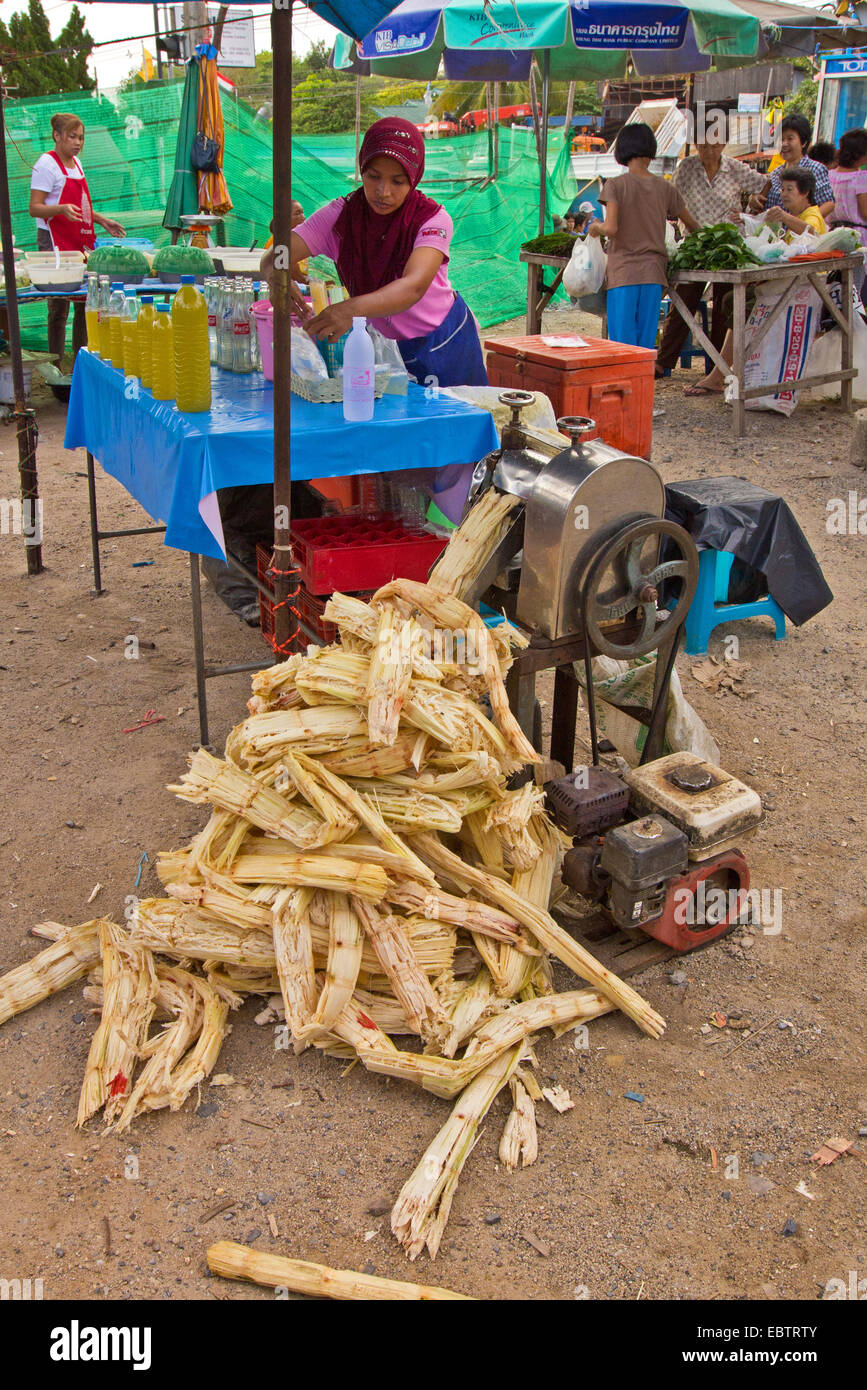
(60, 202)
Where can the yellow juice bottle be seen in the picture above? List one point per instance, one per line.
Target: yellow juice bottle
(91, 318)
(146, 316)
(163, 356)
(116, 310)
(191, 349)
(130, 336)
(102, 337)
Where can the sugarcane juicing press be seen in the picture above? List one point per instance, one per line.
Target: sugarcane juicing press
(589, 565)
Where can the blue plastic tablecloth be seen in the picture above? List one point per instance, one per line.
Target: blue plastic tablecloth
(172, 464)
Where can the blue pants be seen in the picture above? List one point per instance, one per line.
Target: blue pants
(633, 314)
(451, 354)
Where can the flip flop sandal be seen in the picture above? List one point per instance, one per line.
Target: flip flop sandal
(701, 391)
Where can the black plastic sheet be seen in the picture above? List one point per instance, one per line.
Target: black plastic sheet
(759, 529)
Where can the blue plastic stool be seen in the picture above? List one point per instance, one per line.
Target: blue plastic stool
(710, 607)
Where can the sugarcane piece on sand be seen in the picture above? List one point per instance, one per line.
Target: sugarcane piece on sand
(74, 952)
(421, 1211)
(129, 985)
(233, 1261)
(519, 1141)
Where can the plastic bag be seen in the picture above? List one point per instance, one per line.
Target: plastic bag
(825, 358)
(306, 360)
(586, 269)
(782, 353)
(765, 244)
(630, 683)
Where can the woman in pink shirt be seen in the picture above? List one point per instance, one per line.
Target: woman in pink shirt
(391, 246)
(849, 182)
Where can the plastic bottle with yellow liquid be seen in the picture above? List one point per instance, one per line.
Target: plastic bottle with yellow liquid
(130, 335)
(145, 326)
(116, 311)
(191, 347)
(102, 336)
(91, 313)
(163, 355)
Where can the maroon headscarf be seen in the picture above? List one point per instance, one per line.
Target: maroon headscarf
(374, 249)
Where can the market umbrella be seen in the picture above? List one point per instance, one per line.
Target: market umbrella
(495, 40)
(183, 195)
(212, 191)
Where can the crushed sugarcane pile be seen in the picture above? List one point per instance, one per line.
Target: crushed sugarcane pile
(366, 861)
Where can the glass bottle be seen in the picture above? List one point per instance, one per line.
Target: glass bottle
(226, 343)
(102, 317)
(147, 314)
(116, 312)
(241, 331)
(91, 313)
(163, 355)
(130, 335)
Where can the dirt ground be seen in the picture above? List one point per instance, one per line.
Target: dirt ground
(682, 1196)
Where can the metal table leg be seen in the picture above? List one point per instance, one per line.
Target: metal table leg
(96, 535)
(521, 690)
(563, 716)
(94, 525)
(199, 649)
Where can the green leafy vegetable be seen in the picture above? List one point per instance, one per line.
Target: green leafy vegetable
(720, 247)
(118, 260)
(183, 260)
(551, 244)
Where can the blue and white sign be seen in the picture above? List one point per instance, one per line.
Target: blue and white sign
(411, 29)
(594, 25)
(846, 67)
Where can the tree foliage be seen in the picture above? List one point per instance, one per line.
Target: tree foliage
(803, 99)
(35, 64)
(324, 104)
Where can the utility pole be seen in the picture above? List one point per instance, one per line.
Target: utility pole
(156, 44)
(196, 22)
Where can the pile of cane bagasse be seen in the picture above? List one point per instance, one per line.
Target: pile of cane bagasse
(365, 861)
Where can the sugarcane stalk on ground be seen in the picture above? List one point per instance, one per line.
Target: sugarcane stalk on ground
(322, 877)
(71, 956)
(233, 1261)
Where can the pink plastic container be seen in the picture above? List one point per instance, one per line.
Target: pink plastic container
(263, 313)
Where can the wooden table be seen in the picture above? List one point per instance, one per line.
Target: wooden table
(539, 295)
(783, 274)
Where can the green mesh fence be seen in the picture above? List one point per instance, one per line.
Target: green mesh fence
(492, 216)
(129, 158)
(129, 155)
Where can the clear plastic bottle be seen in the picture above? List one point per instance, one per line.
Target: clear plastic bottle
(255, 354)
(224, 327)
(91, 313)
(241, 359)
(208, 289)
(163, 355)
(147, 314)
(130, 335)
(192, 360)
(359, 373)
(102, 318)
(116, 312)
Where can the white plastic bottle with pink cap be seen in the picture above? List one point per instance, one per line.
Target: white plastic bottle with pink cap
(359, 373)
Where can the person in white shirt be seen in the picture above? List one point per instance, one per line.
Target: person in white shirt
(60, 202)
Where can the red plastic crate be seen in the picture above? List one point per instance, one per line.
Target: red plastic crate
(350, 554)
(309, 608)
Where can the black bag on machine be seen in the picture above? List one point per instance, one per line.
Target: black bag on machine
(203, 155)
